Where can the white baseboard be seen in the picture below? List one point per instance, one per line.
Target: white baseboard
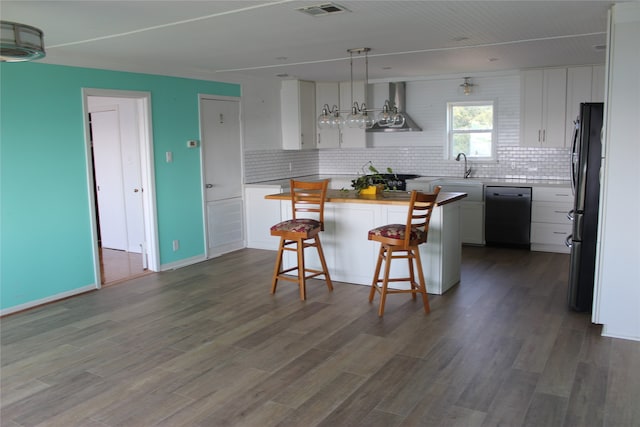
(612, 334)
(182, 263)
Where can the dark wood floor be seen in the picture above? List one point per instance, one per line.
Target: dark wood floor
(207, 345)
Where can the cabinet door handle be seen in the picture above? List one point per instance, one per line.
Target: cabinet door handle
(544, 135)
(539, 131)
(318, 139)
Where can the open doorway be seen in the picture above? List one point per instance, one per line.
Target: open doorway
(121, 168)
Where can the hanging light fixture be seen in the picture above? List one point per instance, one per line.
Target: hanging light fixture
(359, 116)
(19, 42)
(467, 85)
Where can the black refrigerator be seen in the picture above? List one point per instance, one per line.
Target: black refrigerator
(586, 157)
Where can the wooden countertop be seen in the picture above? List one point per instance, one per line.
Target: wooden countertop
(384, 198)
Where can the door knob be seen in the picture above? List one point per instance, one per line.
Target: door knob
(135, 190)
(209, 185)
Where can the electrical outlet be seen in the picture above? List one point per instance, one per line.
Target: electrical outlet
(176, 245)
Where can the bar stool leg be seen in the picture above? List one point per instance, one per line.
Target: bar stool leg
(276, 270)
(376, 274)
(385, 281)
(301, 272)
(423, 285)
(324, 263)
(412, 277)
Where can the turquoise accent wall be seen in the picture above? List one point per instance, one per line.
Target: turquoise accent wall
(45, 229)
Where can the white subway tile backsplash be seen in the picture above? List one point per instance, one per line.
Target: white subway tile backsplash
(279, 164)
(513, 162)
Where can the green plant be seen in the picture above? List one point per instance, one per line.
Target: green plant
(370, 176)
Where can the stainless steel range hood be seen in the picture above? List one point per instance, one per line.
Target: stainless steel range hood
(397, 98)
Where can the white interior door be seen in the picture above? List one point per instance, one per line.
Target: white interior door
(222, 174)
(109, 182)
(220, 122)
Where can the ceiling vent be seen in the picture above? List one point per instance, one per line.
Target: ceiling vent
(324, 9)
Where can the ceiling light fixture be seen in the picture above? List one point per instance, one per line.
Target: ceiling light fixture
(19, 42)
(359, 115)
(467, 85)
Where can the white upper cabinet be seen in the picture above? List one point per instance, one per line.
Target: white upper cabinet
(584, 84)
(327, 93)
(298, 114)
(544, 107)
(352, 137)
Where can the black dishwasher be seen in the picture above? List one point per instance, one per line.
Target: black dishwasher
(507, 216)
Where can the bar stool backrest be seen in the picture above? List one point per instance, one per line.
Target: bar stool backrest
(309, 197)
(420, 208)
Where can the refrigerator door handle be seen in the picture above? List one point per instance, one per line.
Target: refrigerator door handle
(570, 215)
(568, 241)
(574, 155)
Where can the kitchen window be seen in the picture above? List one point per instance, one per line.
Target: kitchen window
(471, 128)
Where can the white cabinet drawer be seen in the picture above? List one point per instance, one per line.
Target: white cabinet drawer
(552, 194)
(549, 234)
(549, 212)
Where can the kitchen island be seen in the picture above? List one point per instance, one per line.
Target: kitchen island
(351, 257)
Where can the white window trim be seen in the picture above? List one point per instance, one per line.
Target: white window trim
(494, 142)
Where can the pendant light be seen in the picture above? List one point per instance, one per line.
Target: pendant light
(467, 86)
(359, 116)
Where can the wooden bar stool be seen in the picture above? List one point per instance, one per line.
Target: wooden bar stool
(302, 232)
(402, 241)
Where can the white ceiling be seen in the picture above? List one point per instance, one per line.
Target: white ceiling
(408, 39)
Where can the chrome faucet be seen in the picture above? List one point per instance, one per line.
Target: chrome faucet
(467, 172)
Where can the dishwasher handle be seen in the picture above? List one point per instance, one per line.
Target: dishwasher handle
(507, 195)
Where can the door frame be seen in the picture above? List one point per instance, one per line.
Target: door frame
(203, 190)
(151, 246)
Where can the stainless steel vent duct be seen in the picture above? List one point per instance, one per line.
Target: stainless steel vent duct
(397, 98)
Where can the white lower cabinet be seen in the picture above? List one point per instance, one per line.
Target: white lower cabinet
(351, 256)
(472, 223)
(260, 215)
(550, 225)
(471, 207)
